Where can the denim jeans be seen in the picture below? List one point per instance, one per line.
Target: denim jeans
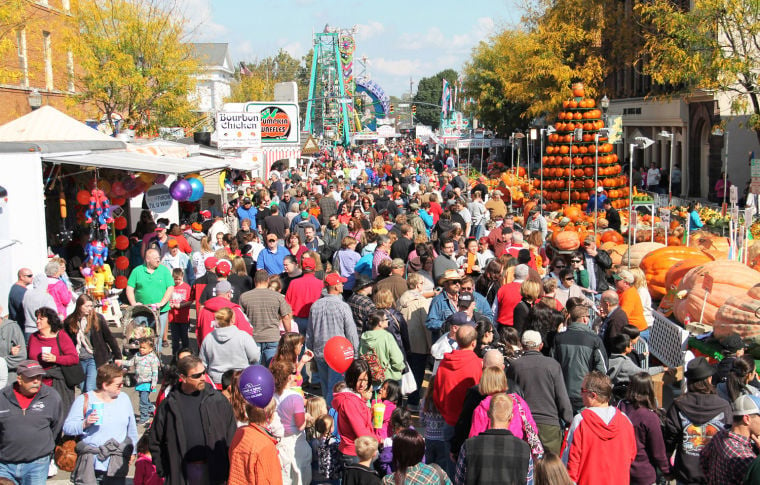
(327, 379)
(163, 319)
(90, 374)
(417, 362)
(302, 324)
(267, 349)
(449, 466)
(179, 336)
(437, 451)
(146, 408)
(28, 473)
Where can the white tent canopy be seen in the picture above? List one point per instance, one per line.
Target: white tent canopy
(137, 162)
(49, 124)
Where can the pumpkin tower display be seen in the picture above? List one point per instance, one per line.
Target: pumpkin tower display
(571, 155)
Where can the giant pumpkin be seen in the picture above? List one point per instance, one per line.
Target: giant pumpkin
(717, 246)
(729, 278)
(672, 278)
(657, 263)
(638, 251)
(740, 314)
(566, 240)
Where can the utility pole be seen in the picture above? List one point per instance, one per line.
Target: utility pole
(411, 101)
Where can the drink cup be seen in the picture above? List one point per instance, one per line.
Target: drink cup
(378, 411)
(47, 350)
(98, 407)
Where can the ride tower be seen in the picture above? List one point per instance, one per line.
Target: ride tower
(329, 108)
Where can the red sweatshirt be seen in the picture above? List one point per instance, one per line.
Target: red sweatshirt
(302, 293)
(508, 298)
(70, 356)
(206, 318)
(354, 420)
(592, 439)
(459, 370)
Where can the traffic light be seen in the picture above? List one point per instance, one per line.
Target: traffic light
(393, 109)
(414, 109)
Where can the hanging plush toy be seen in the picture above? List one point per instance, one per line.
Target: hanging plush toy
(97, 253)
(99, 210)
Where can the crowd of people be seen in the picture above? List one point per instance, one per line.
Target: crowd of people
(480, 353)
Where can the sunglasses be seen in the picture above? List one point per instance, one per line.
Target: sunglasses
(569, 279)
(27, 275)
(466, 288)
(575, 261)
(559, 266)
(271, 240)
(197, 375)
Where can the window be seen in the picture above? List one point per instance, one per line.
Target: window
(22, 59)
(66, 4)
(48, 57)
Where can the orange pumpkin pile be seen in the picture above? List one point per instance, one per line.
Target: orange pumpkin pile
(568, 164)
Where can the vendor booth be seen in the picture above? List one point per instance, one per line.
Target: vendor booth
(71, 187)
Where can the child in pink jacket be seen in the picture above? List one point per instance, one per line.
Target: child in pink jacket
(480, 421)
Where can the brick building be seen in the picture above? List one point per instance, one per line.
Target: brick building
(39, 60)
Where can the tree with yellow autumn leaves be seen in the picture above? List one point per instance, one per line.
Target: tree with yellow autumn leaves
(135, 61)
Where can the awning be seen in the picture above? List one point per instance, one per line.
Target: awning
(136, 162)
(279, 153)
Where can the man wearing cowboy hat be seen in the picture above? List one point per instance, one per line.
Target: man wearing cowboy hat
(361, 302)
(445, 303)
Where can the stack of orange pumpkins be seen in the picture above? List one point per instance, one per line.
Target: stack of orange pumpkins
(568, 163)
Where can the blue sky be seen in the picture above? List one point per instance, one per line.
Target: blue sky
(399, 38)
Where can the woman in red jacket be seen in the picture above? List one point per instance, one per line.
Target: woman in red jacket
(354, 416)
(53, 348)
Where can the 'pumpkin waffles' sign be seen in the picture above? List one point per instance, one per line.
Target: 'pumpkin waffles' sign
(279, 122)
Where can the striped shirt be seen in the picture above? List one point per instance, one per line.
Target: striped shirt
(265, 308)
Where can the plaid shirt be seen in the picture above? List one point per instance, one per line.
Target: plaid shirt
(330, 316)
(361, 307)
(419, 474)
(460, 476)
(726, 458)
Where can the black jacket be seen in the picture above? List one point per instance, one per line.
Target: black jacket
(360, 475)
(579, 351)
(540, 378)
(28, 435)
(104, 346)
(612, 326)
(167, 436)
(602, 263)
(613, 219)
(688, 424)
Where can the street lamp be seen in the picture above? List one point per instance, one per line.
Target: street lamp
(638, 142)
(605, 104)
(544, 131)
(515, 135)
(670, 136)
(35, 99)
(603, 133)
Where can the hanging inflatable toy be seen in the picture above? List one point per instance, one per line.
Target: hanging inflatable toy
(99, 210)
(97, 253)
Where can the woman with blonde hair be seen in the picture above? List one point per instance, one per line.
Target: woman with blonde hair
(396, 323)
(378, 225)
(199, 257)
(551, 471)
(239, 278)
(530, 291)
(640, 283)
(492, 382)
(227, 347)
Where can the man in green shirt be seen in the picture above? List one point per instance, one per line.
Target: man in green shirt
(152, 284)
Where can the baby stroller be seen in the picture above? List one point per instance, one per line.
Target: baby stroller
(138, 321)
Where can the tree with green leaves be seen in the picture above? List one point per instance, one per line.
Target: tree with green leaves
(714, 46)
(429, 91)
(257, 83)
(136, 62)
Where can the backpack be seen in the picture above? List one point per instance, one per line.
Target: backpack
(328, 458)
(375, 367)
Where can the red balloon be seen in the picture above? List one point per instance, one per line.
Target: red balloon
(118, 201)
(122, 243)
(120, 223)
(339, 353)
(122, 263)
(121, 282)
(83, 197)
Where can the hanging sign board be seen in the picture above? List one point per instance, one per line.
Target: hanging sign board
(238, 129)
(158, 198)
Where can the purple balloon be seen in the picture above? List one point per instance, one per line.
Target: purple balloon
(181, 190)
(129, 184)
(257, 385)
